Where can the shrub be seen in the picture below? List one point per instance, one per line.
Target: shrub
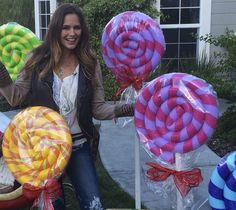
(226, 63)
(226, 127)
(20, 11)
(227, 41)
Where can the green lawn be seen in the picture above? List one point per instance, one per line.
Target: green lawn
(113, 196)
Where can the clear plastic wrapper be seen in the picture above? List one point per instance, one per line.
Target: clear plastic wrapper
(175, 113)
(36, 148)
(132, 47)
(168, 191)
(178, 183)
(44, 196)
(188, 159)
(128, 96)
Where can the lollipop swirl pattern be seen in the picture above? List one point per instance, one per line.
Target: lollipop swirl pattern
(16, 42)
(175, 113)
(222, 185)
(132, 46)
(36, 145)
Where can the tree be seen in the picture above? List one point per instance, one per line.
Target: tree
(20, 11)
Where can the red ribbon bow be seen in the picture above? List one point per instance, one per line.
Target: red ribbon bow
(135, 81)
(184, 180)
(49, 192)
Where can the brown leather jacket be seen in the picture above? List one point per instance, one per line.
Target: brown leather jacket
(90, 99)
(16, 93)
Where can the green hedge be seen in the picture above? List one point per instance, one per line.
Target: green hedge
(20, 11)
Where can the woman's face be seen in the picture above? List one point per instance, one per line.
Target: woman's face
(71, 31)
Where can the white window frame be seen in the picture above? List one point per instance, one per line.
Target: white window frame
(53, 5)
(204, 26)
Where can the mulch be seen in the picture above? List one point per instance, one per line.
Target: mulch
(221, 147)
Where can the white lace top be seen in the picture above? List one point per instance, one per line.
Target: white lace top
(64, 95)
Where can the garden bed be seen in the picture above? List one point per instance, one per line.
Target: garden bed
(224, 139)
(221, 146)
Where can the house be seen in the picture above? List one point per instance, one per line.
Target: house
(43, 9)
(184, 21)
(223, 14)
(187, 19)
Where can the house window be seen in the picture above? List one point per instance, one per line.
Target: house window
(181, 48)
(181, 25)
(43, 12)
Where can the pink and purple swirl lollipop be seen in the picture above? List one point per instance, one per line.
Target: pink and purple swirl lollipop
(132, 46)
(175, 113)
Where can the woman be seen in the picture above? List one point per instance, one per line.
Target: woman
(64, 74)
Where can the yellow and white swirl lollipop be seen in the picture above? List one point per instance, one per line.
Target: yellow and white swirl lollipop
(16, 41)
(37, 145)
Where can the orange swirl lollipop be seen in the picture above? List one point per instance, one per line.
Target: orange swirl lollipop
(36, 145)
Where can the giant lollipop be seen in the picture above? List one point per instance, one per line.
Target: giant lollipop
(36, 145)
(175, 113)
(16, 41)
(222, 185)
(132, 46)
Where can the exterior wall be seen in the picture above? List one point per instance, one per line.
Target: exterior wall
(181, 46)
(223, 15)
(43, 9)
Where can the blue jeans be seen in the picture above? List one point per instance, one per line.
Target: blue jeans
(83, 177)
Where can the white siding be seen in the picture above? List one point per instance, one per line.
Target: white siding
(223, 16)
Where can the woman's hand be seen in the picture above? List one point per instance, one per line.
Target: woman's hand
(5, 78)
(125, 110)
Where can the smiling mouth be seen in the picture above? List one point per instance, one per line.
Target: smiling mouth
(72, 40)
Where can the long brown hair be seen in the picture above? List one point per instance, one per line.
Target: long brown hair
(51, 49)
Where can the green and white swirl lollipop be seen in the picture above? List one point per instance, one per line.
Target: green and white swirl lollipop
(16, 41)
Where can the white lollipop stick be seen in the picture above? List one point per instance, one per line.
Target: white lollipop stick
(137, 174)
(179, 167)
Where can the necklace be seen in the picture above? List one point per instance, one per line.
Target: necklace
(66, 68)
(61, 72)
